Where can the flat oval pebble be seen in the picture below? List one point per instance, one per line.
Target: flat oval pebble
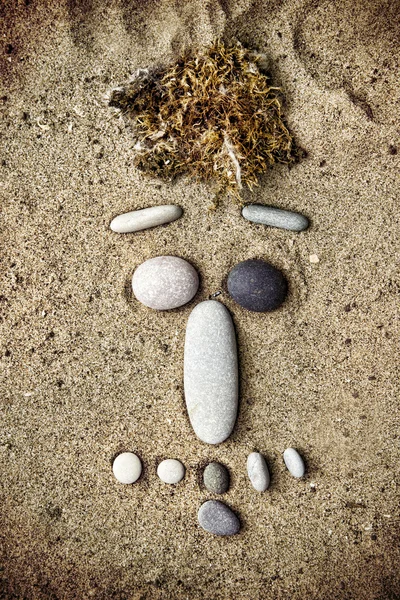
(294, 462)
(211, 377)
(256, 285)
(216, 478)
(145, 218)
(127, 467)
(165, 282)
(275, 217)
(217, 518)
(257, 470)
(171, 471)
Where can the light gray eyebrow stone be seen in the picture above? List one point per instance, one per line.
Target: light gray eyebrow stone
(294, 463)
(257, 471)
(145, 218)
(275, 217)
(211, 379)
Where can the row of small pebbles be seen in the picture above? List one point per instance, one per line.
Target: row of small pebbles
(167, 282)
(146, 218)
(127, 469)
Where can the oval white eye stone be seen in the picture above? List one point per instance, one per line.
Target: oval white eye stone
(171, 470)
(165, 282)
(294, 462)
(257, 470)
(145, 218)
(127, 467)
(211, 377)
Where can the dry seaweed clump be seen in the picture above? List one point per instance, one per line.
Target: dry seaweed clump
(211, 115)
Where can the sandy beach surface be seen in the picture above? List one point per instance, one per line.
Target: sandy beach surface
(87, 371)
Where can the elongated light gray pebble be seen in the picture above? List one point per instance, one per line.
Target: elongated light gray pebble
(257, 470)
(275, 217)
(146, 218)
(294, 462)
(217, 518)
(211, 372)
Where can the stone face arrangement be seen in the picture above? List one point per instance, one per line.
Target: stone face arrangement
(146, 218)
(294, 462)
(211, 378)
(258, 472)
(165, 282)
(217, 518)
(127, 467)
(257, 286)
(275, 217)
(216, 478)
(171, 471)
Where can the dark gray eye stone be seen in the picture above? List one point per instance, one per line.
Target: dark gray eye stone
(256, 285)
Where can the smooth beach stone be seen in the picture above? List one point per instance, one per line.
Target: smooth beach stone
(275, 217)
(165, 282)
(257, 470)
(294, 462)
(217, 518)
(171, 471)
(145, 218)
(216, 478)
(127, 467)
(256, 285)
(211, 379)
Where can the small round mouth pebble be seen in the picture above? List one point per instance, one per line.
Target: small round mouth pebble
(216, 478)
(257, 470)
(294, 462)
(257, 286)
(171, 471)
(275, 217)
(165, 282)
(217, 518)
(145, 218)
(127, 467)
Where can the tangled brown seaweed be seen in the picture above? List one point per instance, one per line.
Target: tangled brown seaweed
(211, 115)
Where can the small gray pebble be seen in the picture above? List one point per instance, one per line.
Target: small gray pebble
(217, 518)
(257, 285)
(275, 217)
(257, 470)
(145, 218)
(216, 478)
(294, 462)
(165, 282)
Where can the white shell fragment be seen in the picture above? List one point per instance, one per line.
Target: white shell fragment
(294, 462)
(211, 372)
(275, 217)
(257, 470)
(171, 471)
(127, 467)
(146, 218)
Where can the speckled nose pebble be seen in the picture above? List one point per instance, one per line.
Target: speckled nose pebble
(294, 462)
(216, 478)
(171, 471)
(127, 467)
(165, 282)
(145, 218)
(211, 378)
(257, 470)
(256, 285)
(217, 518)
(275, 217)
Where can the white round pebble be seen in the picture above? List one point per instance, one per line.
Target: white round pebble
(127, 467)
(294, 462)
(171, 470)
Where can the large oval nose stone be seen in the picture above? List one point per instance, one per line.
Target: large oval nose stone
(211, 378)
